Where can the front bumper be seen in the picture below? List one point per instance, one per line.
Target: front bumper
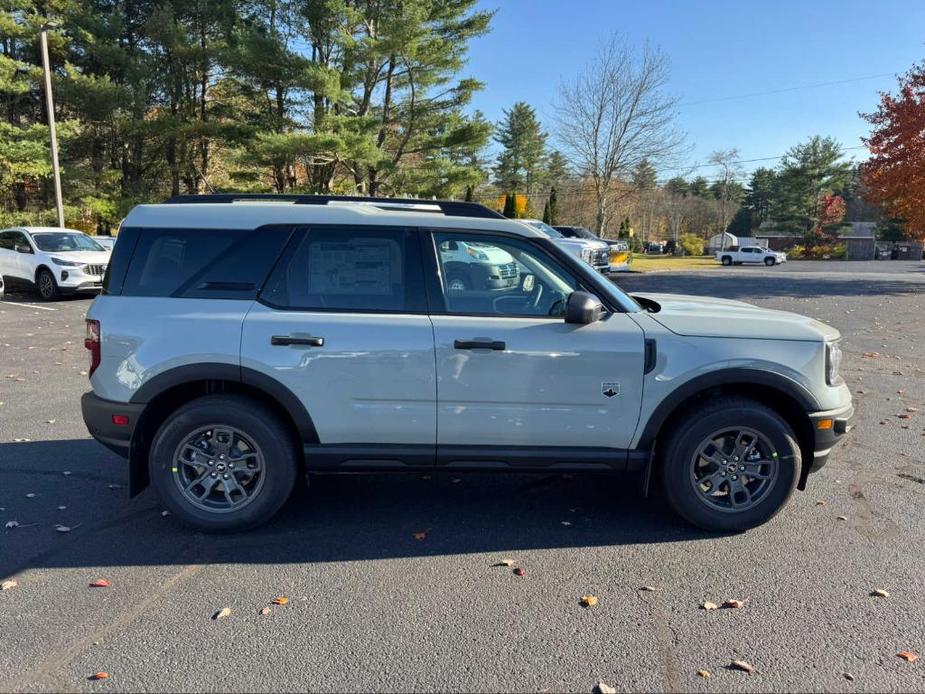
(834, 425)
(78, 279)
(98, 416)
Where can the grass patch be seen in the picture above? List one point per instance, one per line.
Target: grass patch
(651, 263)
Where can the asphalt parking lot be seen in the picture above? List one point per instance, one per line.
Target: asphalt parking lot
(390, 580)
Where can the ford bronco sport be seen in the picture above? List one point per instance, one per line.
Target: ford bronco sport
(243, 340)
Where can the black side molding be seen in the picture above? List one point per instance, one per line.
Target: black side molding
(651, 354)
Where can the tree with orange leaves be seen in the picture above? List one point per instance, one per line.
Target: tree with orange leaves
(894, 176)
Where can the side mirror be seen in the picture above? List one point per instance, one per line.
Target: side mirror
(583, 308)
(22, 248)
(449, 246)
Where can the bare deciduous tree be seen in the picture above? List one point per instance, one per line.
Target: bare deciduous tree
(614, 115)
(727, 160)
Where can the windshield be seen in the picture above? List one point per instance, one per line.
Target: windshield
(543, 228)
(578, 233)
(58, 242)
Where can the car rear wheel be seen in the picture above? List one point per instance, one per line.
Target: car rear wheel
(46, 284)
(727, 260)
(223, 463)
(457, 283)
(769, 261)
(730, 467)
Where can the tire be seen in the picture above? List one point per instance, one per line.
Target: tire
(261, 438)
(769, 261)
(726, 260)
(775, 443)
(46, 285)
(458, 283)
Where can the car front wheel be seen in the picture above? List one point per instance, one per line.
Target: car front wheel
(223, 463)
(727, 260)
(48, 288)
(730, 467)
(769, 261)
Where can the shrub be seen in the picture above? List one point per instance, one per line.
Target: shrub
(692, 244)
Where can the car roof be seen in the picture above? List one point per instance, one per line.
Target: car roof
(253, 213)
(42, 230)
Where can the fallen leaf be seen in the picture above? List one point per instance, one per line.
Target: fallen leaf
(30, 495)
(505, 562)
(100, 676)
(265, 611)
(280, 600)
(100, 583)
(62, 508)
(903, 415)
(49, 421)
(841, 518)
(709, 605)
(7, 585)
(66, 473)
(848, 676)
(11, 524)
(588, 600)
(908, 409)
(733, 604)
(519, 572)
(742, 665)
(222, 613)
(706, 674)
(604, 688)
(648, 589)
(820, 502)
(165, 513)
(908, 656)
(420, 536)
(63, 528)
(879, 593)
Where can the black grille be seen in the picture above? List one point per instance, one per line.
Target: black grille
(95, 269)
(601, 256)
(508, 271)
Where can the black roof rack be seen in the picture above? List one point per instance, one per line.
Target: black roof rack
(450, 208)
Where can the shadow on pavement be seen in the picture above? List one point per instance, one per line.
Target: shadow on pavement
(340, 518)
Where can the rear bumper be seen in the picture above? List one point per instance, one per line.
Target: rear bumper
(98, 416)
(829, 436)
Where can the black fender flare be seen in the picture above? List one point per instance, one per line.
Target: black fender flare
(724, 377)
(189, 373)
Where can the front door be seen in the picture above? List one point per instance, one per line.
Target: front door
(342, 323)
(516, 384)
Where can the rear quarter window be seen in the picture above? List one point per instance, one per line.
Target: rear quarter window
(203, 263)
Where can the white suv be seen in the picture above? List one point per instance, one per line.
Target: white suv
(237, 346)
(594, 252)
(54, 261)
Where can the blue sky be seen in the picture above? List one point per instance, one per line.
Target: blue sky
(718, 49)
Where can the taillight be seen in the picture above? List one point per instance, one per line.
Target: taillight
(92, 343)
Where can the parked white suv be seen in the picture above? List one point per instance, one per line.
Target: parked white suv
(237, 346)
(750, 254)
(594, 252)
(54, 261)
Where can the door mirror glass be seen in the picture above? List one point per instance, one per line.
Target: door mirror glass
(22, 247)
(528, 283)
(583, 308)
(448, 246)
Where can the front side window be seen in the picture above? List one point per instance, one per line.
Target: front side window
(6, 240)
(495, 275)
(59, 242)
(361, 269)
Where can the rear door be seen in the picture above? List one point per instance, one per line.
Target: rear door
(517, 385)
(342, 323)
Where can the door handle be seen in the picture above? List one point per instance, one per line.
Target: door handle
(286, 340)
(496, 345)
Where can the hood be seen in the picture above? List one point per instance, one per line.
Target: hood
(701, 316)
(89, 257)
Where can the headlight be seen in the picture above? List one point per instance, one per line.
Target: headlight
(832, 363)
(65, 263)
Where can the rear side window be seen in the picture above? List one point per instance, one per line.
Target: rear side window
(370, 269)
(203, 263)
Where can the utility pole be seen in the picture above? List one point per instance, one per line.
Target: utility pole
(52, 135)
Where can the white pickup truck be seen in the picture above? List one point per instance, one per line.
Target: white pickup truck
(750, 254)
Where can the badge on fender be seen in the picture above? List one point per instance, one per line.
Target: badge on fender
(610, 388)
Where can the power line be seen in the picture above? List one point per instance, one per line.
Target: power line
(743, 161)
(785, 89)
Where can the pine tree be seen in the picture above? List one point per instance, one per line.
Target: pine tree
(547, 219)
(553, 207)
(509, 209)
(521, 161)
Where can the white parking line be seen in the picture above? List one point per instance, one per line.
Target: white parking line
(41, 308)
